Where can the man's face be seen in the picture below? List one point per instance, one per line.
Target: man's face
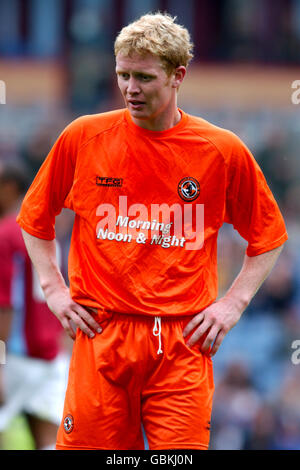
(149, 93)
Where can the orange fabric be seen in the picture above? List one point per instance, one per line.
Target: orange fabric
(118, 380)
(103, 159)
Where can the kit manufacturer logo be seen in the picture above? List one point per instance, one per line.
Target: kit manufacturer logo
(109, 181)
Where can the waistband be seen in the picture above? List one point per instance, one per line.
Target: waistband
(105, 314)
(156, 321)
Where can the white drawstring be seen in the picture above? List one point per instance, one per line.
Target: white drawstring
(157, 332)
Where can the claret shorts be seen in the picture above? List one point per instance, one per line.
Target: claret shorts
(137, 371)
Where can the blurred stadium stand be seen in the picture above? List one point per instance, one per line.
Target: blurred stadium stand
(56, 59)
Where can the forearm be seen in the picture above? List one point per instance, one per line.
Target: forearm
(43, 256)
(254, 271)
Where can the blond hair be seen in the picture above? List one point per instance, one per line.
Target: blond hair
(157, 34)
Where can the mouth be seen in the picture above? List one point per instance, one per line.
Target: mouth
(135, 103)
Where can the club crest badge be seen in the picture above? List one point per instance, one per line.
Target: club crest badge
(68, 423)
(188, 189)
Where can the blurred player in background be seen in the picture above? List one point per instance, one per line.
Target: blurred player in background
(142, 291)
(33, 379)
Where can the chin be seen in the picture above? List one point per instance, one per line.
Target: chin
(138, 115)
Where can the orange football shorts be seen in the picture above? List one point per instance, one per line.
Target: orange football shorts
(138, 370)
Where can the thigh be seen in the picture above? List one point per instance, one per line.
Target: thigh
(177, 400)
(102, 407)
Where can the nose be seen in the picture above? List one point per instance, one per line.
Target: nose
(133, 86)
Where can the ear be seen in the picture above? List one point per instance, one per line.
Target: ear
(179, 75)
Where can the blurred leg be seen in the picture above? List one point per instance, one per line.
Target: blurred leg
(43, 432)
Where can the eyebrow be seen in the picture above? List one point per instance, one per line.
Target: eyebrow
(120, 70)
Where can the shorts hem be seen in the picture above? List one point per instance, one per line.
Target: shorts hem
(160, 447)
(180, 446)
(65, 447)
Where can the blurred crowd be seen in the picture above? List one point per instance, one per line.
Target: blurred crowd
(256, 403)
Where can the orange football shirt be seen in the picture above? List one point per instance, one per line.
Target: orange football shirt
(148, 208)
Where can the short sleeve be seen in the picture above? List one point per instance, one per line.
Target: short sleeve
(250, 205)
(49, 190)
